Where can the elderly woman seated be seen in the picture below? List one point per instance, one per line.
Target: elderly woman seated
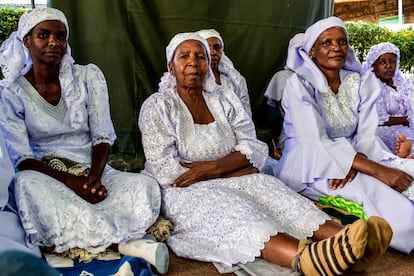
(204, 153)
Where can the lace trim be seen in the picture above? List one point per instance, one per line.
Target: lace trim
(337, 109)
(58, 112)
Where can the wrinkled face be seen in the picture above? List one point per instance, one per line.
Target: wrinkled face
(385, 66)
(47, 42)
(189, 64)
(330, 49)
(216, 51)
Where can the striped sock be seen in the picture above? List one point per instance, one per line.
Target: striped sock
(379, 237)
(334, 255)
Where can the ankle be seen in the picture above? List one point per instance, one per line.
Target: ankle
(334, 255)
(295, 264)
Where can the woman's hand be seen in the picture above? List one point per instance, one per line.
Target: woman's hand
(233, 164)
(243, 171)
(340, 183)
(395, 178)
(197, 171)
(392, 121)
(88, 188)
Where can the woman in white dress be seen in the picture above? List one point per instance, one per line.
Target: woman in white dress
(202, 148)
(54, 108)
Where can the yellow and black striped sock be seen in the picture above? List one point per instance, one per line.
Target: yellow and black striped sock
(334, 255)
(379, 238)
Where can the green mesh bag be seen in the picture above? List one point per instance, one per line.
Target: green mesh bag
(344, 204)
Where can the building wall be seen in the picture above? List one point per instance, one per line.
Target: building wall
(373, 10)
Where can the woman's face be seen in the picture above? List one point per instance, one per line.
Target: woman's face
(47, 42)
(189, 64)
(330, 49)
(385, 66)
(216, 51)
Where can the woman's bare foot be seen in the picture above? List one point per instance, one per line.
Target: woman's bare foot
(402, 146)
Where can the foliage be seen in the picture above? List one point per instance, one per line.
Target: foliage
(9, 17)
(362, 36)
(405, 41)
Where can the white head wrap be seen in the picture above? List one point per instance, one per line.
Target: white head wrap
(297, 39)
(226, 66)
(15, 59)
(298, 56)
(33, 17)
(294, 42)
(378, 50)
(168, 81)
(207, 33)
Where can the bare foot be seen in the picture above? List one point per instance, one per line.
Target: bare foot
(402, 146)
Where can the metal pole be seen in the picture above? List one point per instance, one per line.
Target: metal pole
(400, 13)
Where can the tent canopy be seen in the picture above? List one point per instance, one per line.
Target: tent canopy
(127, 40)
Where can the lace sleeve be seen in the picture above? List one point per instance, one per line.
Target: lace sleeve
(409, 91)
(100, 122)
(383, 116)
(159, 139)
(13, 124)
(244, 95)
(247, 143)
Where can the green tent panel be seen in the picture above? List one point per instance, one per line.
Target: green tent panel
(127, 40)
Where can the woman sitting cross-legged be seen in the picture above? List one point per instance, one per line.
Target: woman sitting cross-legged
(204, 153)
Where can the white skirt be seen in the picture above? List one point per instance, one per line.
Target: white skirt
(53, 215)
(228, 220)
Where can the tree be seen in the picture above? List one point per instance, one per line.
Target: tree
(362, 36)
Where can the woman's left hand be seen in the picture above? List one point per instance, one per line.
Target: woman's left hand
(340, 183)
(197, 171)
(241, 172)
(94, 186)
(395, 178)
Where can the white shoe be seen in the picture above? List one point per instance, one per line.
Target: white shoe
(156, 253)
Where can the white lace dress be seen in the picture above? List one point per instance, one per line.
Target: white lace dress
(51, 213)
(225, 220)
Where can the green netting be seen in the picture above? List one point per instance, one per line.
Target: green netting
(127, 40)
(344, 204)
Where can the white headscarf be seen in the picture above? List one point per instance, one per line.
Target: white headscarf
(207, 33)
(226, 66)
(298, 56)
(294, 42)
(168, 81)
(384, 48)
(380, 49)
(297, 39)
(15, 59)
